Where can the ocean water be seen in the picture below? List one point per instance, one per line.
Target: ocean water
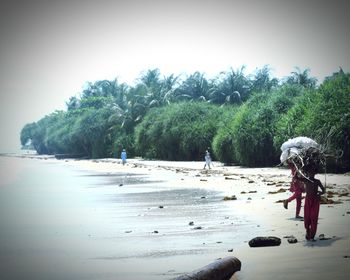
(61, 222)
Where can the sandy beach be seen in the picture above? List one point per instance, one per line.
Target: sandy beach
(255, 191)
(181, 218)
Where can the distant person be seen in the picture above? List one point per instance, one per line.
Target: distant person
(297, 187)
(123, 156)
(312, 204)
(207, 159)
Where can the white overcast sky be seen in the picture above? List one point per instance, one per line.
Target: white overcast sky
(48, 49)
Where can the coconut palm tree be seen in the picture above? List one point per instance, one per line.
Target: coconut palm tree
(262, 80)
(230, 87)
(194, 88)
(302, 78)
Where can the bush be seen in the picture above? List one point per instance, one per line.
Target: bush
(254, 125)
(223, 140)
(181, 131)
(323, 115)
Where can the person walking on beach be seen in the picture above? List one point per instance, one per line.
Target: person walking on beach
(297, 187)
(312, 204)
(123, 156)
(207, 159)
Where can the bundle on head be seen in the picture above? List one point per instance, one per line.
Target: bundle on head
(305, 154)
(309, 160)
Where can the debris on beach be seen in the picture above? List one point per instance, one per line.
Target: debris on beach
(222, 268)
(330, 194)
(343, 194)
(325, 200)
(281, 190)
(291, 239)
(322, 237)
(233, 197)
(264, 241)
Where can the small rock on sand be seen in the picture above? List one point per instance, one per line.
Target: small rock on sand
(292, 240)
(322, 237)
(264, 241)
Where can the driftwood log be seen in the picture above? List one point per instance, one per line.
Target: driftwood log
(222, 269)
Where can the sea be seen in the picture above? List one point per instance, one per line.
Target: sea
(59, 221)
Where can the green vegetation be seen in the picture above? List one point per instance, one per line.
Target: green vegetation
(244, 119)
(324, 115)
(180, 131)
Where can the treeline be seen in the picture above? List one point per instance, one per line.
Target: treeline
(242, 118)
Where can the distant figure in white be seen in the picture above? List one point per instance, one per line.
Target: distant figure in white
(123, 156)
(207, 159)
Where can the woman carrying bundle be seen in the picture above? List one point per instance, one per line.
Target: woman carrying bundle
(297, 187)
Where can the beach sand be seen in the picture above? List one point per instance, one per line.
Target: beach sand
(257, 191)
(178, 217)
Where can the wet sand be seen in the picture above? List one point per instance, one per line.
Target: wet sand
(157, 220)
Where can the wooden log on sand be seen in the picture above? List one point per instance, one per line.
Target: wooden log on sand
(222, 269)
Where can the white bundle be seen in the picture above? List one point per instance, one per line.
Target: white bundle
(293, 147)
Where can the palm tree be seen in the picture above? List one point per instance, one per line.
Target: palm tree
(302, 78)
(262, 80)
(231, 87)
(150, 88)
(194, 88)
(168, 92)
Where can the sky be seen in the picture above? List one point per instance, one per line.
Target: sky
(49, 49)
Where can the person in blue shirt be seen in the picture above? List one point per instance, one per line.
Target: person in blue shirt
(123, 156)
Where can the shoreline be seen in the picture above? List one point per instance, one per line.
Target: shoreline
(256, 190)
